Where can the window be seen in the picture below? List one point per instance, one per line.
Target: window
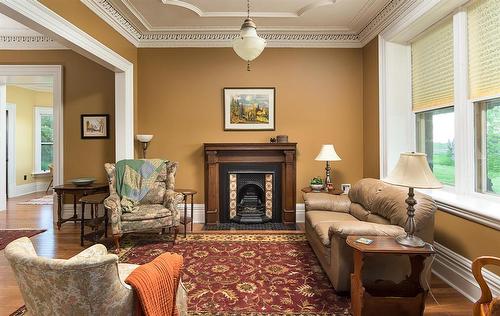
(44, 138)
(487, 126)
(432, 99)
(436, 138)
(483, 25)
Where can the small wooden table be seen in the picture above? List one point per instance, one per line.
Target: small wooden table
(386, 297)
(185, 220)
(94, 221)
(333, 191)
(76, 191)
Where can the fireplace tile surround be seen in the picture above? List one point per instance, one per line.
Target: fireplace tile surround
(267, 169)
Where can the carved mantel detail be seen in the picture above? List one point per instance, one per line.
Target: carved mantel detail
(226, 153)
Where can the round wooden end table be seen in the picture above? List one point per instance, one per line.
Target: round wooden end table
(185, 220)
(334, 191)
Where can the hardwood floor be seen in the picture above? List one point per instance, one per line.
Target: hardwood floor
(66, 243)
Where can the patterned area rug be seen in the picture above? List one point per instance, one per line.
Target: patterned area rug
(45, 200)
(247, 274)
(8, 235)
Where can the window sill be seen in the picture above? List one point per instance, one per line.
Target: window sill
(40, 173)
(480, 210)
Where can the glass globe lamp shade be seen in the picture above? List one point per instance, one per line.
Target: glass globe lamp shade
(248, 45)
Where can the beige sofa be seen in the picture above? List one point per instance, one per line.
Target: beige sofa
(372, 208)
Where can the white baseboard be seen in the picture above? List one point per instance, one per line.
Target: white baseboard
(456, 271)
(28, 188)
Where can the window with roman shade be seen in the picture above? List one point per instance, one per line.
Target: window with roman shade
(432, 68)
(484, 48)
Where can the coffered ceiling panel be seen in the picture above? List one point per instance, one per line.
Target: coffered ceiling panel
(324, 15)
(283, 23)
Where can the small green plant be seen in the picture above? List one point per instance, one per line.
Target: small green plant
(317, 180)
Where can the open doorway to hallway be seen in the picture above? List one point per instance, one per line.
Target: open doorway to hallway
(29, 134)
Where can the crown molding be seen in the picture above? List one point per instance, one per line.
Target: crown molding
(140, 37)
(28, 42)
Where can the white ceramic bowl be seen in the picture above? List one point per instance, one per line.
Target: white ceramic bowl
(316, 187)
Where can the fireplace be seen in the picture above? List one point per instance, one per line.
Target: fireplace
(250, 193)
(250, 183)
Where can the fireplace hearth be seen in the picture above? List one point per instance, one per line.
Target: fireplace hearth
(250, 183)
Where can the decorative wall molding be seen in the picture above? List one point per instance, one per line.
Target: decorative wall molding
(28, 188)
(456, 271)
(141, 37)
(23, 42)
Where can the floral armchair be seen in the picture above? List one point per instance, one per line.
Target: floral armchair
(157, 210)
(90, 283)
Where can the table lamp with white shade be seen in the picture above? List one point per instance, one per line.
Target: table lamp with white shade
(327, 153)
(412, 171)
(144, 140)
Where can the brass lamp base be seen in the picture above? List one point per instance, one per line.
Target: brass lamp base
(410, 241)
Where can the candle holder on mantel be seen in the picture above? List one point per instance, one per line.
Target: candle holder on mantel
(144, 140)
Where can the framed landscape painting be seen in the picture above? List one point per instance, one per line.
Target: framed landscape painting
(249, 109)
(95, 125)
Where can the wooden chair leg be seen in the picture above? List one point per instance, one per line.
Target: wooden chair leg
(176, 230)
(116, 238)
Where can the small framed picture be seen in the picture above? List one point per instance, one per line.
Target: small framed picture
(95, 126)
(249, 109)
(345, 187)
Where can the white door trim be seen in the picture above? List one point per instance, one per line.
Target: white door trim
(43, 20)
(3, 101)
(11, 144)
(54, 71)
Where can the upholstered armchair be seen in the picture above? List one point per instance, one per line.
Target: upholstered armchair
(157, 210)
(90, 283)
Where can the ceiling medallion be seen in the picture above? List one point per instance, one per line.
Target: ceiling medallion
(248, 45)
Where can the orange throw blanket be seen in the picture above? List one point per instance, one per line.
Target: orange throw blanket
(156, 285)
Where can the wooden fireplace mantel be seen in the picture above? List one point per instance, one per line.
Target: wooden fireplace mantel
(219, 153)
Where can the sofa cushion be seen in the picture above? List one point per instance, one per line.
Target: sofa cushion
(327, 202)
(364, 191)
(344, 229)
(390, 203)
(358, 211)
(146, 212)
(316, 217)
(374, 218)
(320, 221)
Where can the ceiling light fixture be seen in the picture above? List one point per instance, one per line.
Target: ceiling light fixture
(248, 45)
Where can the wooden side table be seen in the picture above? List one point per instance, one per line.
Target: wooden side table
(333, 191)
(94, 221)
(185, 220)
(385, 297)
(74, 190)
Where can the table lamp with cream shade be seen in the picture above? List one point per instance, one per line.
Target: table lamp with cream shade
(144, 140)
(412, 171)
(327, 153)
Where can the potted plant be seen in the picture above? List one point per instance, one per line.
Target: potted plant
(316, 184)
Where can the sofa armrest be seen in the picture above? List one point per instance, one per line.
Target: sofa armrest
(347, 228)
(327, 202)
(113, 204)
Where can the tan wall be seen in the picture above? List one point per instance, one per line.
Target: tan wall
(87, 88)
(319, 99)
(467, 238)
(25, 101)
(371, 160)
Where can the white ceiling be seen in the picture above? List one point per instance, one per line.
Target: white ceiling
(296, 15)
(36, 83)
(10, 26)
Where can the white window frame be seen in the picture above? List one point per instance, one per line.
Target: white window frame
(39, 111)
(395, 108)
